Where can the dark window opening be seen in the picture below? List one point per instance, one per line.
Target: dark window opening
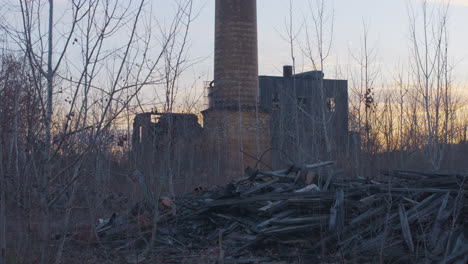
(331, 106)
(275, 101)
(141, 134)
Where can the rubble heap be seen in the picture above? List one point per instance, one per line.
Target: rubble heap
(307, 213)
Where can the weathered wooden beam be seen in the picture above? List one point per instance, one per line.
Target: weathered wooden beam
(276, 217)
(300, 220)
(290, 229)
(405, 228)
(259, 187)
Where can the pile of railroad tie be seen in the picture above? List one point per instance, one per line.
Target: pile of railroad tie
(309, 212)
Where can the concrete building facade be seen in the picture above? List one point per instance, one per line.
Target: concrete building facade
(303, 108)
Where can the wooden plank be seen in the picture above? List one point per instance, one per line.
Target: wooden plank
(301, 177)
(413, 202)
(245, 222)
(336, 222)
(300, 220)
(241, 236)
(248, 260)
(419, 190)
(284, 173)
(330, 178)
(365, 245)
(309, 188)
(259, 239)
(278, 175)
(273, 206)
(289, 229)
(405, 228)
(270, 197)
(426, 173)
(368, 214)
(461, 254)
(276, 217)
(259, 187)
(319, 165)
(366, 201)
(423, 211)
(311, 201)
(440, 218)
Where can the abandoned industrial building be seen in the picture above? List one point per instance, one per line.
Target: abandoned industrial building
(251, 121)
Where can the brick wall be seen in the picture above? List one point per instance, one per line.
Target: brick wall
(229, 133)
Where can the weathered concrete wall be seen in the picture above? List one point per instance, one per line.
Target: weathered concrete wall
(233, 141)
(296, 106)
(168, 150)
(236, 54)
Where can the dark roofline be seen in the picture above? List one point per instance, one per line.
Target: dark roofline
(299, 78)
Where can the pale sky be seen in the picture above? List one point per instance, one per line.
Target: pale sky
(388, 31)
(387, 20)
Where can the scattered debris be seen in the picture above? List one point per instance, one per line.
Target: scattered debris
(284, 215)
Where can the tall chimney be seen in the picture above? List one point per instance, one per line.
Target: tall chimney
(236, 54)
(236, 131)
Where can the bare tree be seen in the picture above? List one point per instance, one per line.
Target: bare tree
(176, 62)
(87, 69)
(2, 199)
(368, 74)
(318, 43)
(363, 82)
(430, 67)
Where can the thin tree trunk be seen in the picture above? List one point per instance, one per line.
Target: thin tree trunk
(47, 144)
(2, 203)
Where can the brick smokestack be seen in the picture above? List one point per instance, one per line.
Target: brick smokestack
(236, 131)
(236, 55)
